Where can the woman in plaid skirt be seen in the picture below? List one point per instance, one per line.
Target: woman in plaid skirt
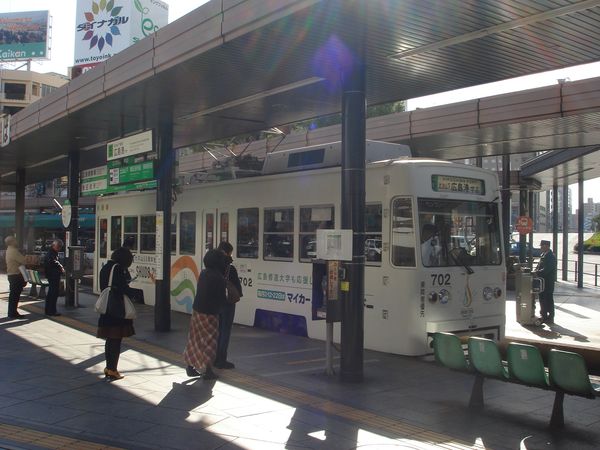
(201, 347)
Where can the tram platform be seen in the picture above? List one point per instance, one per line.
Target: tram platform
(52, 393)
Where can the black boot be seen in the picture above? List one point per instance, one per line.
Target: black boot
(191, 372)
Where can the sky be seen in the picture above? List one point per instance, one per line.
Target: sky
(63, 39)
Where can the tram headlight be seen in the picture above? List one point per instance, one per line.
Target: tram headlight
(444, 296)
(497, 292)
(433, 297)
(488, 293)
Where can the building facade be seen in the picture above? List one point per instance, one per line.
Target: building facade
(19, 88)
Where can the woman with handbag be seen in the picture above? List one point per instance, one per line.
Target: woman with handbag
(201, 346)
(112, 325)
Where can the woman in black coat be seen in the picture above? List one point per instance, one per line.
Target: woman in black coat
(112, 327)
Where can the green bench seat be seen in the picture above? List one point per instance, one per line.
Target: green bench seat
(566, 374)
(36, 281)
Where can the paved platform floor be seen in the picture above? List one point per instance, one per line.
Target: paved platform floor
(52, 392)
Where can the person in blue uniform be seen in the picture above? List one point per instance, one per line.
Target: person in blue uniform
(546, 269)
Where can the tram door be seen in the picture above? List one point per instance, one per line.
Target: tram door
(216, 229)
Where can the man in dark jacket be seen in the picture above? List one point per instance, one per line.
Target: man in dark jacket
(54, 269)
(227, 312)
(546, 269)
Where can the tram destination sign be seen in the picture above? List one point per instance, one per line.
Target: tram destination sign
(449, 183)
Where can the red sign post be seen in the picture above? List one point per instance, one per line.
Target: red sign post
(524, 225)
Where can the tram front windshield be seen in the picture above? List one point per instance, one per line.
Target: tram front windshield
(459, 233)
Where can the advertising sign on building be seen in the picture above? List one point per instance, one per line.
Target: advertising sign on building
(105, 27)
(5, 130)
(24, 35)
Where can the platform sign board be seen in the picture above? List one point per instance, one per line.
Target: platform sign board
(132, 173)
(524, 225)
(103, 28)
(93, 181)
(66, 213)
(129, 146)
(96, 181)
(24, 35)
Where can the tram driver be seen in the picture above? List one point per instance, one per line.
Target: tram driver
(430, 251)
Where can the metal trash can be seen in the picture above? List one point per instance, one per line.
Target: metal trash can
(527, 289)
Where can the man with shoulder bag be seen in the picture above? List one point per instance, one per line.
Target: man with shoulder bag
(227, 312)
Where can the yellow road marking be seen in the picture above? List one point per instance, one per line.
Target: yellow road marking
(47, 440)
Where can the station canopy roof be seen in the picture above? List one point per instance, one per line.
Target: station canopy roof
(236, 66)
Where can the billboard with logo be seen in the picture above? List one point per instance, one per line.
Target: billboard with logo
(24, 35)
(105, 27)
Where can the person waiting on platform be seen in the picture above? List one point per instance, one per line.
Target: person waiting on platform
(53, 269)
(429, 247)
(227, 312)
(546, 269)
(110, 327)
(14, 259)
(201, 347)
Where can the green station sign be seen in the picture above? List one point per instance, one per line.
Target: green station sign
(116, 178)
(130, 174)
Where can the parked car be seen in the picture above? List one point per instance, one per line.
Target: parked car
(373, 249)
(515, 248)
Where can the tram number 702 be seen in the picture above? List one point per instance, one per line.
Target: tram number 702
(246, 281)
(440, 279)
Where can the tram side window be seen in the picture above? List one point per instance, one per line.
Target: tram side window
(187, 233)
(224, 227)
(313, 218)
(247, 233)
(115, 232)
(403, 233)
(279, 234)
(130, 226)
(102, 237)
(148, 234)
(209, 226)
(373, 240)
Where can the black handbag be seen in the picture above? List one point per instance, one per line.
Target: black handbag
(233, 295)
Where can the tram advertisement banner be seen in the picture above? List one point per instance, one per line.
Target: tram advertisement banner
(24, 35)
